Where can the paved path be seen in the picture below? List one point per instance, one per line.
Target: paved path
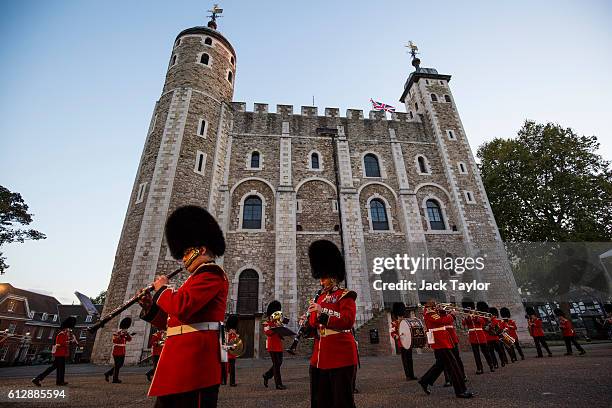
(559, 381)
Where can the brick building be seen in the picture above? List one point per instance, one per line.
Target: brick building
(276, 181)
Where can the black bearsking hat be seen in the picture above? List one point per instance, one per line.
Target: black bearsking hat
(530, 311)
(494, 312)
(399, 309)
(482, 307)
(232, 322)
(126, 322)
(505, 312)
(68, 323)
(468, 304)
(559, 312)
(191, 227)
(273, 306)
(608, 308)
(326, 260)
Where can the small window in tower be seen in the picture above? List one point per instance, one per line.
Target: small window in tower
(173, 63)
(370, 163)
(462, 168)
(469, 197)
(441, 82)
(378, 214)
(434, 98)
(255, 162)
(434, 214)
(252, 213)
(232, 60)
(314, 161)
(416, 106)
(200, 163)
(447, 98)
(411, 115)
(141, 190)
(202, 128)
(427, 81)
(334, 205)
(422, 165)
(208, 41)
(177, 42)
(204, 59)
(230, 76)
(451, 134)
(298, 205)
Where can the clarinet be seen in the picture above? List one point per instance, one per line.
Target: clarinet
(304, 329)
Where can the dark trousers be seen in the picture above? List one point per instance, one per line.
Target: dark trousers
(152, 370)
(501, 350)
(455, 351)
(231, 364)
(511, 352)
(491, 348)
(569, 340)
(484, 349)
(517, 345)
(275, 370)
(539, 341)
(202, 398)
(332, 388)
(114, 370)
(407, 362)
(445, 358)
(59, 364)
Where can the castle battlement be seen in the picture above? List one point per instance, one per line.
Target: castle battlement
(313, 111)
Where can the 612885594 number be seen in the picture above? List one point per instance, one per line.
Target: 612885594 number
(27, 394)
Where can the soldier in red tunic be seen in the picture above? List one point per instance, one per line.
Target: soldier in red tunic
(569, 335)
(331, 317)
(478, 339)
(61, 350)
(442, 346)
(189, 370)
(494, 340)
(453, 333)
(511, 327)
(232, 335)
(399, 312)
(120, 339)
(156, 343)
(534, 325)
(274, 346)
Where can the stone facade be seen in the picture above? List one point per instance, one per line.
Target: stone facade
(199, 150)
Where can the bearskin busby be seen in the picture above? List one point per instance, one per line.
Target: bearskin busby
(68, 323)
(530, 311)
(608, 308)
(125, 324)
(558, 312)
(232, 322)
(326, 260)
(505, 312)
(494, 311)
(482, 307)
(191, 227)
(468, 305)
(399, 309)
(273, 306)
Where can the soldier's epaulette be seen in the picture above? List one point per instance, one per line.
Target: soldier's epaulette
(211, 268)
(435, 316)
(349, 294)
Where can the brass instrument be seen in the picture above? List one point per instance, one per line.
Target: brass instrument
(235, 347)
(447, 307)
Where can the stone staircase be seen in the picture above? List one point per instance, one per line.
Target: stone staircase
(380, 322)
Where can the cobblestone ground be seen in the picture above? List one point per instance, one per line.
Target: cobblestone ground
(560, 381)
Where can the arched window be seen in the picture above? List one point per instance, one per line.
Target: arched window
(248, 292)
(378, 215)
(230, 76)
(422, 165)
(204, 59)
(173, 60)
(416, 106)
(232, 60)
(434, 98)
(436, 220)
(447, 98)
(314, 161)
(371, 165)
(177, 43)
(251, 213)
(255, 162)
(208, 41)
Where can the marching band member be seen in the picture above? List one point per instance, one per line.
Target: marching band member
(534, 325)
(61, 350)
(477, 338)
(274, 345)
(442, 346)
(497, 343)
(156, 343)
(453, 333)
(510, 325)
(120, 339)
(332, 315)
(191, 313)
(232, 335)
(484, 308)
(569, 335)
(399, 312)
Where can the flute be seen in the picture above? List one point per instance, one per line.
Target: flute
(94, 327)
(303, 329)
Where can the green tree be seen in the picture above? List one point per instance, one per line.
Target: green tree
(100, 299)
(14, 212)
(548, 184)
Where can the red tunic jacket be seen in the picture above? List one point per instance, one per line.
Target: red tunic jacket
(511, 326)
(535, 328)
(474, 325)
(62, 343)
(451, 330)
(335, 345)
(273, 341)
(437, 324)
(567, 327)
(495, 322)
(119, 341)
(156, 342)
(230, 337)
(192, 360)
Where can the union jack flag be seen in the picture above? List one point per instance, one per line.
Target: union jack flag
(379, 106)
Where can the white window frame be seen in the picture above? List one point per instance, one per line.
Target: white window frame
(203, 133)
(175, 60)
(44, 316)
(88, 318)
(232, 60)
(335, 206)
(210, 59)
(141, 190)
(298, 205)
(447, 226)
(463, 170)
(11, 305)
(427, 166)
(320, 160)
(377, 196)
(263, 212)
(469, 197)
(54, 318)
(83, 335)
(451, 134)
(248, 160)
(195, 167)
(383, 173)
(212, 41)
(233, 76)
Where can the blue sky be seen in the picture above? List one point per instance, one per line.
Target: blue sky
(79, 80)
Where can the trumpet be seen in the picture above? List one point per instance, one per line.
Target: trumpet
(448, 307)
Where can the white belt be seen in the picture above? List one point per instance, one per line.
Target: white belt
(477, 328)
(437, 329)
(449, 327)
(119, 345)
(193, 327)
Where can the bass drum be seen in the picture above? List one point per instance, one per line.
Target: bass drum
(412, 333)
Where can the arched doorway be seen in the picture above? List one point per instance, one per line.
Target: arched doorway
(247, 304)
